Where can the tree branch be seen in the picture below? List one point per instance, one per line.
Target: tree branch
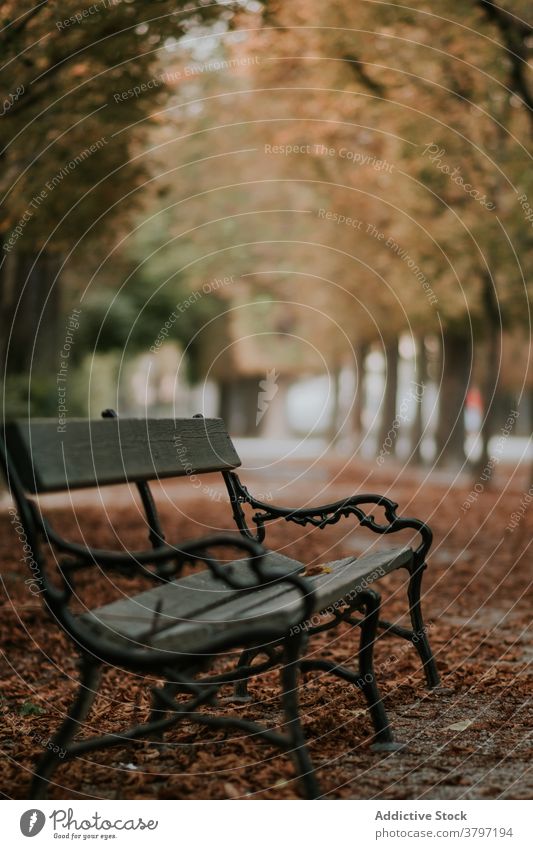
(358, 69)
(16, 29)
(514, 33)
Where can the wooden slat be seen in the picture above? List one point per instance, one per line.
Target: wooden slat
(198, 610)
(98, 452)
(183, 600)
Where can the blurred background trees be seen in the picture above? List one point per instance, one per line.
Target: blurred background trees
(71, 156)
(333, 198)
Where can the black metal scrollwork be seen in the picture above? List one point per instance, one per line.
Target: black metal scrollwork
(328, 514)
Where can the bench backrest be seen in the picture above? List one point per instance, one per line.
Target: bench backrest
(87, 452)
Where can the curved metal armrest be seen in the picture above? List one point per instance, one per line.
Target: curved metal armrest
(327, 514)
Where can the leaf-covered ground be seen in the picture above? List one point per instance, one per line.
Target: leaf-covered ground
(470, 740)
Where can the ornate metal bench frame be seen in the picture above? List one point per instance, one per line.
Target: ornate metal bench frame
(164, 562)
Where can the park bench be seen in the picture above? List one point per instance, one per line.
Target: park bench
(261, 604)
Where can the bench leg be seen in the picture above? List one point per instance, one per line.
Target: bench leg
(384, 739)
(246, 659)
(291, 706)
(291, 741)
(420, 638)
(90, 672)
(160, 710)
(240, 689)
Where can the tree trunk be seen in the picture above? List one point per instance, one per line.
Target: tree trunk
(361, 351)
(239, 400)
(491, 371)
(388, 434)
(421, 376)
(456, 367)
(8, 288)
(224, 401)
(30, 304)
(333, 432)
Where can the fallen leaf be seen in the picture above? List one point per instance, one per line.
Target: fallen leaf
(317, 569)
(231, 791)
(460, 726)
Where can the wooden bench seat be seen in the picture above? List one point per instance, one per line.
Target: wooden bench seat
(188, 615)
